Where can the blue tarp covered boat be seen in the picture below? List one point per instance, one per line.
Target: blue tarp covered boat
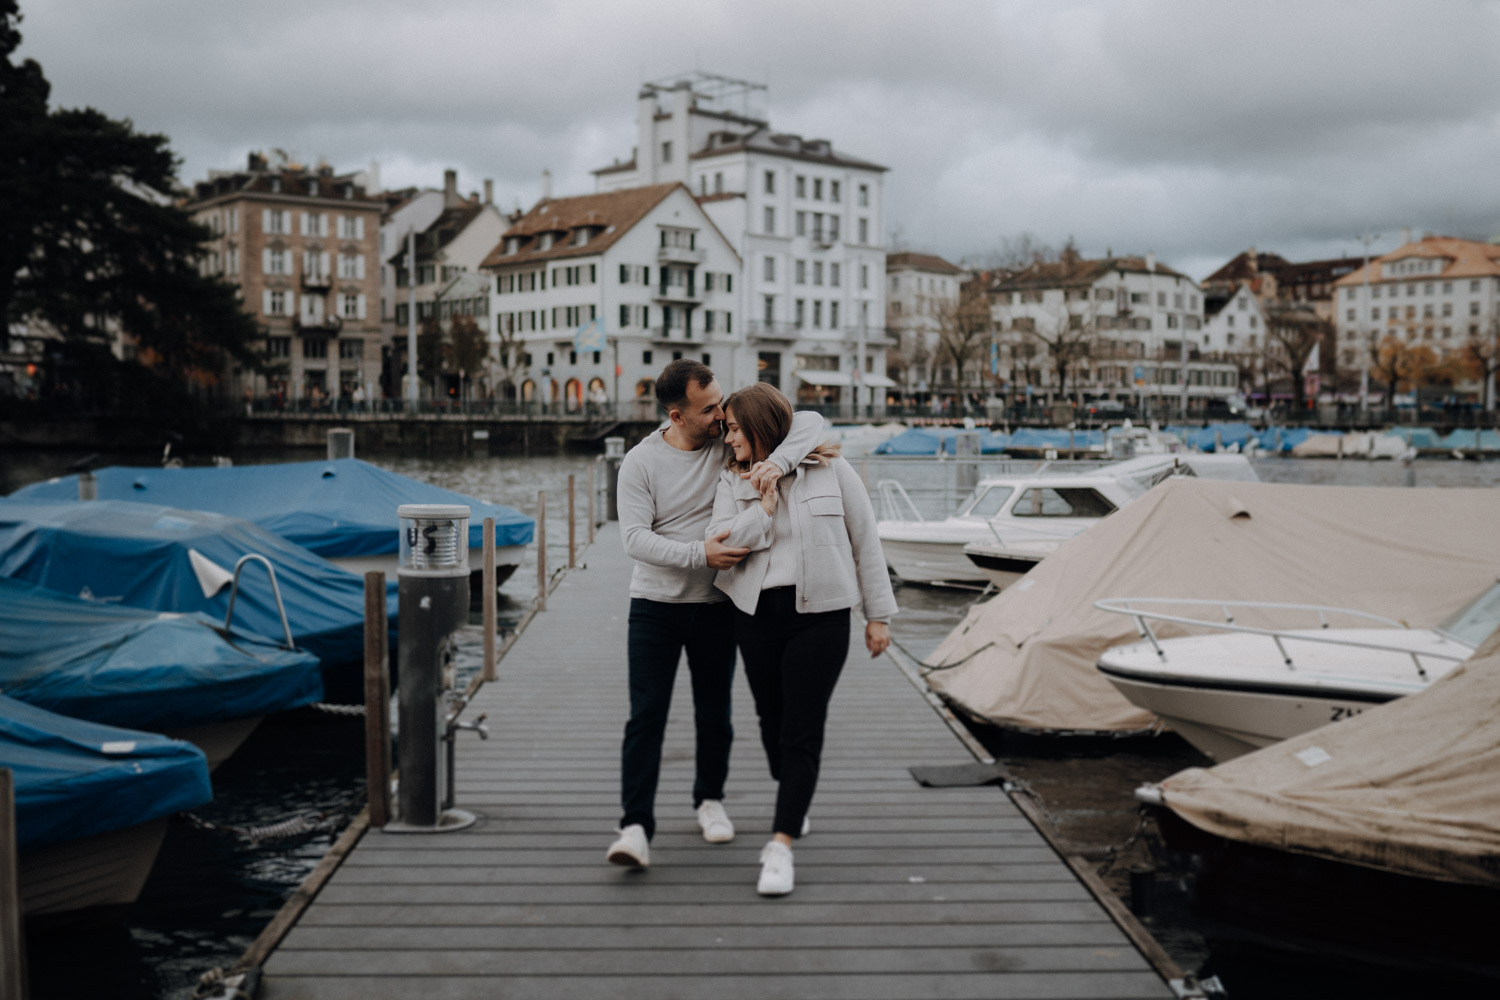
(158, 671)
(1207, 439)
(1420, 438)
(1032, 440)
(340, 509)
(936, 440)
(1468, 440)
(1281, 440)
(164, 559)
(91, 804)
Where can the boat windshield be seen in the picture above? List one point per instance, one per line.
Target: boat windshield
(987, 503)
(1475, 621)
(1062, 502)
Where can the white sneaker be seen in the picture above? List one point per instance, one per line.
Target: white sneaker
(714, 822)
(775, 869)
(806, 826)
(632, 848)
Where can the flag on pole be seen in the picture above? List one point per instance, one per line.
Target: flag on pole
(590, 336)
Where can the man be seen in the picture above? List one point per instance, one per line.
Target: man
(665, 496)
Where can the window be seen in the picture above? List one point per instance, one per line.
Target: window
(708, 321)
(1447, 308)
(728, 282)
(817, 314)
(817, 272)
(833, 315)
(864, 276)
(800, 310)
(770, 310)
(1375, 313)
(1447, 288)
(314, 347)
(770, 180)
(351, 227)
(801, 186)
(770, 221)
(666, 152)
(276, 262)
(817, 189)
(1375, 292)
(1474, 285)
(624, 315)
(1161, 300)
(833, 191)
(833, 274)
(833, 228)
(276, 303)
(1351, 315)
(1061, 502)
(864, 195)
(351, 349)
(801, 272)
(718, 183)
(769, 268)
(801, 225)
(864, 230)
(349, 306)
(1427, 288)
(278, 347)
(645, 357)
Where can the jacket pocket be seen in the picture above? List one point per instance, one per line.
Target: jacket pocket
(825, 516)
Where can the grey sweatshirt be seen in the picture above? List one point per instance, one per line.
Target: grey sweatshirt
(665, 497)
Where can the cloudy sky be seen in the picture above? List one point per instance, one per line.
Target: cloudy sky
(1192, 129)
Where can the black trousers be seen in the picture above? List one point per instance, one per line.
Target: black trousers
(659, 634)
(792, 662)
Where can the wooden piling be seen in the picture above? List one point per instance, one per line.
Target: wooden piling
(593, 488)
(377, 701)
(488, 578)
(12, 944)
(541, 551)
(572, 528)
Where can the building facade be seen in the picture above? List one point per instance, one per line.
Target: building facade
(301, 244)
(1123, 327)
(807, 222)
(921, 296)
(593, 295)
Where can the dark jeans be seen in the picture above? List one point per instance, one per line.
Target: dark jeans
(792, 662)
(659, 633)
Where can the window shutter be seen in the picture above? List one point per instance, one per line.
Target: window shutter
(359, 266)
(265, 220)
(291, 303)
(307, 257)
(305, 224)
(265, 260)
(360, 307)
(325, 263)
(359, 227)
(265, 301)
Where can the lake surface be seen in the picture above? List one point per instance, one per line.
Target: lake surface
(213, 891)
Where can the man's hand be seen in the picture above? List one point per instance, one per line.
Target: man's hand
(877, 637)
(721, 556)
(763, 476)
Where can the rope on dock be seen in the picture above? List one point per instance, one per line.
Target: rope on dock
(313, 821)
(323, 706)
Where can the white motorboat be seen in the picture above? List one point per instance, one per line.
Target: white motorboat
(1005, 563)
(1228, 694)
(1033, 511)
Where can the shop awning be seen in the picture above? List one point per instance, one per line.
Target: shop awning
(813, 376)
(877, 381)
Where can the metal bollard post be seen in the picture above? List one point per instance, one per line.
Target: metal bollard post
(572, 528)
(340, 443)
(88, 486)
(433, 574)
(614, 454)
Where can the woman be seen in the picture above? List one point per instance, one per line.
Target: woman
(814, 555)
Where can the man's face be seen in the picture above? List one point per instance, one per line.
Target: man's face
(702, 416)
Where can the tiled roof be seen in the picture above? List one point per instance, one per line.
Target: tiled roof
(294, 183)
(763, 140)
(1240, 268)
(920, 262)
(1078, 272)
(613, 212)
(703, 199)
(1468, 259)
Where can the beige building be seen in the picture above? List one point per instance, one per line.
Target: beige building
(301, 244)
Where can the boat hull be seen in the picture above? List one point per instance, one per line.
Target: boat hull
(1001, 569)
(107, 869)
(931, 562)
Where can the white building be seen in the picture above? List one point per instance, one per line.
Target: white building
(808, 224)
(1235, 325)
(1439, 292)
(1135, 317)
(921, 294)
(601, 291)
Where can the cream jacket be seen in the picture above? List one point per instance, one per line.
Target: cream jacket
(840, 563)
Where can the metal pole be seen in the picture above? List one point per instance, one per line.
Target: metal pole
(434, 591)
(617, 377)
(593, 486)
(411, 318)
(1367, 333)
(572, 528)
(541, 551)
(12, 952)
(377, 702)
(488, 577)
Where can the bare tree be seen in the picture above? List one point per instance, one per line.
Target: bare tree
(1399, 364)
(1068, 335)
(1293, 334)
(964, 327)
(1481, 360)
(1014, 253)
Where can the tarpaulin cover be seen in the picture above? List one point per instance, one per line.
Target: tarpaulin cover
(1207, 438)
(1407, 787)
(142, 669)
(1039, 439)
(1281, 439)
(338, 508)
(1467, 439)
(75, 779)
(160, 558)
(1027, 657)
(1422, 438)
(931, 440)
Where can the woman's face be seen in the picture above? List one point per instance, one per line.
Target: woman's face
(737, 439)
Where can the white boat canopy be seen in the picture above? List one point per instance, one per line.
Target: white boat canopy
(1026, 658)
(1407, 787)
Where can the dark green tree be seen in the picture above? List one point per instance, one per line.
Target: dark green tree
(92, 241)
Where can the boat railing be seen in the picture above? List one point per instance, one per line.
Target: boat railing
(1017, 532)
(234, 592)
(1143, 616)
(895, 503)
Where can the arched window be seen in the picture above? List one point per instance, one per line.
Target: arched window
(528, 391)
(573, 395)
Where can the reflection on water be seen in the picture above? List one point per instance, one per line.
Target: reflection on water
(212, 892)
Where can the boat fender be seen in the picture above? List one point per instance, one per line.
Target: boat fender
(1237, 509)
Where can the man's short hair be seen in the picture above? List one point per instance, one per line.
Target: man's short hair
(672, 384)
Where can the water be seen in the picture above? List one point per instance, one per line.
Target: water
(212, 892)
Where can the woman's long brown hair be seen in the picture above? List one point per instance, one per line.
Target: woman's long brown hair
(765, 418)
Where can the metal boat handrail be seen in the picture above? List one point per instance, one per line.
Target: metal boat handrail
(1127, 606)
(234, 591)
(893, 499)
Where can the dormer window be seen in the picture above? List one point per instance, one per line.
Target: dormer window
(312, 188)
(275, 185)
(348, 192)
(544, 242)
(582, 235)
(513, 244)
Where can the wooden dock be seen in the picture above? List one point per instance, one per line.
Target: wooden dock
(902, 890)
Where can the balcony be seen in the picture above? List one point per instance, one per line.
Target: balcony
(676, 293)
(317, 326)
(679, 255)
(674, 335)
(315, 280)
(822, 239)
(772, 330)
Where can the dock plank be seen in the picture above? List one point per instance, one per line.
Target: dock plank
(902, 891)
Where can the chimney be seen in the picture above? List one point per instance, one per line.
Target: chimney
(450, 188)
(1254, 260)
(489, 192)
(1405, 235)
(546, 185)
(1151, 261)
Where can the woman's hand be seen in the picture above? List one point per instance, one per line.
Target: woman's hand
(877, 637)
(763, 476)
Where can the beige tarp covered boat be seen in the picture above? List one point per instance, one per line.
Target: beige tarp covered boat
(1408, 787)
(1026, 658)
